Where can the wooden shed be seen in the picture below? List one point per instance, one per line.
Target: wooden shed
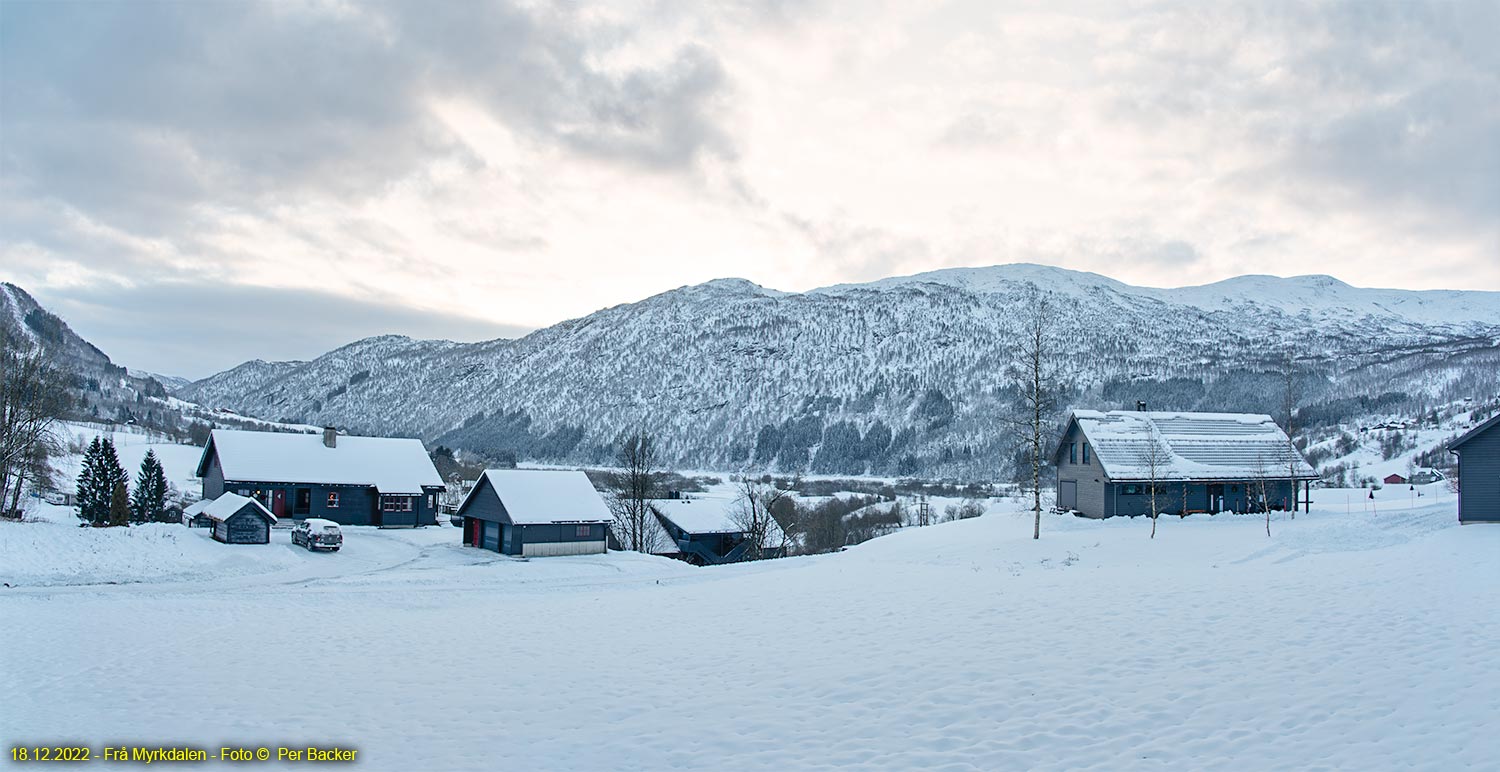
(1479, 472)
(237, 519)
(193, 516)
(535, 513)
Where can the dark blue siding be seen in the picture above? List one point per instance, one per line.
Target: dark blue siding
(1479, 477)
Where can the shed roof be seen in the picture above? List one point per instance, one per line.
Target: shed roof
(1190, 446)
(543, 496)
(196, 508)
(1483, 427)
(709, 514)
(391, 465)
(230, 504)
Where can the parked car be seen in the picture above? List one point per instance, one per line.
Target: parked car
(315, 534)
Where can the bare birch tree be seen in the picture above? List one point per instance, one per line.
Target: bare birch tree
(635, 485)
(33, 396)
(1291, 397)
(1034, 375)
(1259, 483)
(1157, 459)
(755, 514)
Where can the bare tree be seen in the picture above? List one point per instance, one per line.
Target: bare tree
(1291, 397)
(1259, 484)
(33, 396)
(1034, 374)
(1158, 460)
(756, 514)
(635, 487)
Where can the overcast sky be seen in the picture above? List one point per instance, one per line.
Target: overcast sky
(195, 184)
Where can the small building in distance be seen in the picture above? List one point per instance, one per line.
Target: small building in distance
(193, 516)
(1108, 462)
(237, 519)
(1394, 479)
(704, 531)
(1478, 454)
(380, 481)
(535, 513)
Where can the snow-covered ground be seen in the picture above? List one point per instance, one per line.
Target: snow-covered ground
(1350, 639)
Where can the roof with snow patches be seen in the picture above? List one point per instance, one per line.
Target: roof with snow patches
(709, 514)
(543, 496)
(1190, 446)
(391, 465)
(227, 505)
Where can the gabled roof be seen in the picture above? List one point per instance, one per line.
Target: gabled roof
(708, 515)
(1483, 427)
(229, 504)
(391, 465)
(1189, 446)
(196, 508)
(542, 496)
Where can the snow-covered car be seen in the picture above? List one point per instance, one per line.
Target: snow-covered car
(315, 534)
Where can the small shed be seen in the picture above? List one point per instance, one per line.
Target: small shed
(237, 519)
(1478, 454)
(193, 516)
(535, 513)
(1394, 479)
(705, 532)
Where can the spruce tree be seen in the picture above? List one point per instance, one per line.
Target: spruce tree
(148, 501)
(119, 504)
(93, 490)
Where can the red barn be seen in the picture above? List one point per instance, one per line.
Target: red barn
(1395, 479)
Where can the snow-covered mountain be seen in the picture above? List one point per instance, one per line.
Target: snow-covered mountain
(899, 375)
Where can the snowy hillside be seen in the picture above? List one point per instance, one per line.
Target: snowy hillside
(901, 375)
(1344, 641)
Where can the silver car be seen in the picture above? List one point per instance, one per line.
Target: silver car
(315, 534)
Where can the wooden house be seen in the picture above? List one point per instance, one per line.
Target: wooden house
(1109, 462)
(1478, 454)
(237, 519)
(376, 481)
(193, 516)
(1394, 479)
(704, 532)
(535, 513)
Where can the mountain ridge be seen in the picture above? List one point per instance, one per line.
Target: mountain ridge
(897, 375)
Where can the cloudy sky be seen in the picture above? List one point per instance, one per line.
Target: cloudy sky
(195, 184)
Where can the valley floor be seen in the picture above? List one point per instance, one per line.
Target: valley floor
(1347, 640)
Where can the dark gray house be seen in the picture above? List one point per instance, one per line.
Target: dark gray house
(1478, 454)
(704, 532)
(239, 520)
(377, 481)
(535, 513)
(1107, 464)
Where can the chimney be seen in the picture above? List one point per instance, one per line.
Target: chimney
(1140, 406)
(330, 437)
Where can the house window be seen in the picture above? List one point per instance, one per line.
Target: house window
(397, 503)
(1072, 452)
(1085, 452)
(333, 500)
(432, 501)
(582, 532)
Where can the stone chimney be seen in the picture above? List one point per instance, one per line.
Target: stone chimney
(330, 437)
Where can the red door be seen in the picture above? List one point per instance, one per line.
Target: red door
(278, 503)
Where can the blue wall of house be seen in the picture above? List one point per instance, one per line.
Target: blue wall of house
(1237, 497)
(502, 535)
(357, 504)
(1479, 477)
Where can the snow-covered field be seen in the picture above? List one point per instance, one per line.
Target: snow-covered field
(1350, 639)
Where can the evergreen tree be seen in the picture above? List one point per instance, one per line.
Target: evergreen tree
(119, 504)
(93, 496)
(149, 500)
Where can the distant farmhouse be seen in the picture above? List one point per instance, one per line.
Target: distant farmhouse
(704, 532)
(1107, 463)
(535, 513)
(349, 480)
(1478, 454)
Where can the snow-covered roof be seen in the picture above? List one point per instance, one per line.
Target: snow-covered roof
(196, 508)
(706, 515)
(542, 496)
(1190, 446)
(225, 506)
(391, 465)
(318, 522)
(709, 515)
